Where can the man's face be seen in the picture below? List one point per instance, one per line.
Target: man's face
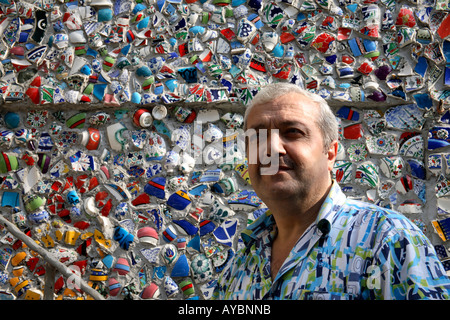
(304, 167)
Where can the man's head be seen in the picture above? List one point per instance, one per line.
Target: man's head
(326, 120)
(302, 134)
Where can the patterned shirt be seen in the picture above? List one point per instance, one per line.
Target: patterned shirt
(354, 250)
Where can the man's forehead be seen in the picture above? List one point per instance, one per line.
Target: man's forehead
(288, 113)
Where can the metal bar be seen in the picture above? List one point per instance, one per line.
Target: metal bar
(50, 272)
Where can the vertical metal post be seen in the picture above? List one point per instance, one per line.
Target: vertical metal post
(49, 289)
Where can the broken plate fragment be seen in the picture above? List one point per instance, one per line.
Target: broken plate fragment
(385, 144)
(225, 233)
(438, 137)
(367, 174)
(406, 117)
(392, 166)
(181, 268)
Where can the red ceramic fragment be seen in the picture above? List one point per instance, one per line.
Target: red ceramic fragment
(106, 208)
(286, 37)
(141, 199)
(353, 132)
(101, 195)
(444, 28)
(59, 284)
(34, 94)
(32, 262)
(93, 183)
(79, 182)
(344, 33)
(405, 18)
(228, 33)
(323, 42)
(36, 82)
(82, 225)
(65, 215)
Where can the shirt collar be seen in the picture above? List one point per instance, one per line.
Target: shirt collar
(324, 221)
(262, 223)
(330, 207)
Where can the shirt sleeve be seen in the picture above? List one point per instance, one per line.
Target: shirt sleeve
(406, 267)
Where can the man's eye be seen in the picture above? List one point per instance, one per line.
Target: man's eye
(294, 131)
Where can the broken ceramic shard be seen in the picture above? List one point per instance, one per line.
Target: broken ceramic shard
(438, 137)
(367, 174)
(392, 166)
(384, 144)
(115, 136)
(343, 171)
(357, 152)
(406, 117)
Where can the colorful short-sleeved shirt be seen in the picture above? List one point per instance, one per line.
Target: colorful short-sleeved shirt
(354, 250)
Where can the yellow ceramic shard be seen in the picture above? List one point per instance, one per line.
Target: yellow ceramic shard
(71, 237)
(242, 170)
(98, 275)
(100, 238)
(21, 286)
(86, 235)
(34, 253)
(48, 241)
(33, 294)
(69, 293)
(18, 271)
(18, 258)
(14, 281)
(59, 235)
(57, 224)
(101, 253)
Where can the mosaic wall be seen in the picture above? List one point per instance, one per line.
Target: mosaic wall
(120, 150)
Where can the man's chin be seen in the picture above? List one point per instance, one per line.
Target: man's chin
(277, 185)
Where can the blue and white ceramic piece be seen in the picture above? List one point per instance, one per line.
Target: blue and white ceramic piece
(156, 187)
(438, 137)
(181, 268)
(225, 233)
(406, 117)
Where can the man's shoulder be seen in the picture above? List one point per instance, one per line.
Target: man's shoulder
(378, 219)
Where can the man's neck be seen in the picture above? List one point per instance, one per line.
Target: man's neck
(297, 213)
(292, 218)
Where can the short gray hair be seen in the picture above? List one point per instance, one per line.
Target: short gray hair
(326, 122)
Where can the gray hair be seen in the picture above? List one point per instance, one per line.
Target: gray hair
(326, 122)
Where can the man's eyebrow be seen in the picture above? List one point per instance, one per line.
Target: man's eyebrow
(288, 123)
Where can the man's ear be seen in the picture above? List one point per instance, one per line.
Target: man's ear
(332, 154)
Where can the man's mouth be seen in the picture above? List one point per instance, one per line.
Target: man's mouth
(268, 170)
(275, 167)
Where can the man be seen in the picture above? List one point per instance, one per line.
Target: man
(313, 242)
